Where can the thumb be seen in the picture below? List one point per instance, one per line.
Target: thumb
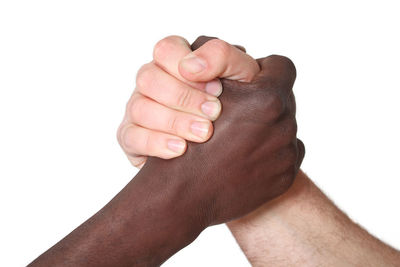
(213, 58)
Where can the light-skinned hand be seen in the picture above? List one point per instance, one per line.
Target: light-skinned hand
(176, 97)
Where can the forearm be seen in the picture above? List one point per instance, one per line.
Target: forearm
(142, 226)
(304, 228)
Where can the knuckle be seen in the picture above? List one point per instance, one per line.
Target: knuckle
(137, 105)
(288, 129)
(162, 47)
(172, 124)
(291, 154)
(283, 60)
(148, 145)
(221, 47)
(274, 106)
(119, 135)
(184, 99)
(285, 63)
(287, 156)
(301, 149)
(144, 76)
(129, 139)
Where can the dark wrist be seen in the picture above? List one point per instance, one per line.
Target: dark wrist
(162, 208)
(179, 192)
(143, 225)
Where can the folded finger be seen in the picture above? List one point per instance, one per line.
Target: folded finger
(151, 115)
(165, 89)
(138, 141)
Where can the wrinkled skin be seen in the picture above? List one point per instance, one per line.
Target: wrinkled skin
(253, 155)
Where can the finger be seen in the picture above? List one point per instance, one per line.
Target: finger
(190, 127)
(279, 68)
(137, 141)
(137, 161)
(217, 58)
(155, 83)
(167, 54)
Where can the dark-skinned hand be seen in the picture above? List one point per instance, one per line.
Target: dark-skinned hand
(254, 154)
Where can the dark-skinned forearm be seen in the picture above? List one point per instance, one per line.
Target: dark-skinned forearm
(142, 226)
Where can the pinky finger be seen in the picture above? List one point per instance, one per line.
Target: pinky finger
(137, 141)
(137, 161)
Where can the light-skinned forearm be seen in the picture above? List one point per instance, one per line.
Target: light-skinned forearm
(304, 228)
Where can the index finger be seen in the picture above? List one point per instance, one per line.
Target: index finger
(167, 54)
(213, 58)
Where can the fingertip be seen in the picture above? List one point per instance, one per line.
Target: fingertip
(214, 87)
(201, 131)
(137, 161)
(176, 147)
(209, 133)
(165, 45)
(212, 109)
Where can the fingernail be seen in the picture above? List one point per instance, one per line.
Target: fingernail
(193, 64)
(176, 146)
(200, 128)
(214, 87)
(211, 109)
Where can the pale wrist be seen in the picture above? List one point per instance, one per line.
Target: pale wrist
(303, 227)
(262, 228)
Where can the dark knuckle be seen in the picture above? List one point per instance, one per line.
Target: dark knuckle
(288, 156)
(289, 129)
(274, 106)
(283, 60)
(292, 153)
(286, 63)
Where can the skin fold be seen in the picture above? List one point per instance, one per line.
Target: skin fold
(252, 157)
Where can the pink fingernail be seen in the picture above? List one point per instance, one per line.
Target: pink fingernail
(193, 64)
(214, 87)
(176, 146)
(200, 128)
(211, 109)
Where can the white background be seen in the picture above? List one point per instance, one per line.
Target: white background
(67, 69)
